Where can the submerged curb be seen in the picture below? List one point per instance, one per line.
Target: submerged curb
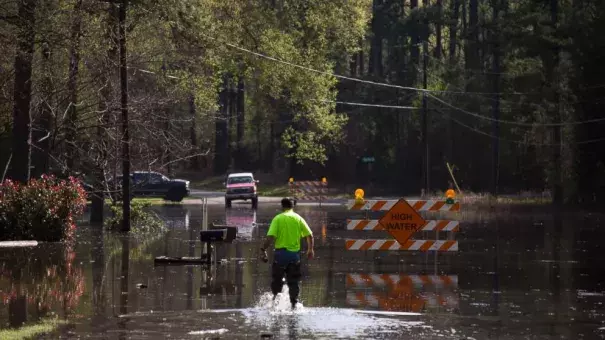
(18, 244)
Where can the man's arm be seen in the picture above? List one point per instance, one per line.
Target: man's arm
(271, 235)
(268, 241)
(310, 247)
(308, 235)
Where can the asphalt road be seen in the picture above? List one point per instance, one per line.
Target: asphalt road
(218, 197)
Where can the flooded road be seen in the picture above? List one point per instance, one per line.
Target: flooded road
(519, 274)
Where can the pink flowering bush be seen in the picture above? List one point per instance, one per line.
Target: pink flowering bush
(43, 210)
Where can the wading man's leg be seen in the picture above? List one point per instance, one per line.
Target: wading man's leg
(277, 277)
(292, 279)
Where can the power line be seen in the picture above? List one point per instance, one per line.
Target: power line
(403, 88)
(512, 122)
(589, 141)
(470, 127)
(409, 88)
(371, 105)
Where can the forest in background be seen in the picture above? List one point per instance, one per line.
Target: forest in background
(509, 92)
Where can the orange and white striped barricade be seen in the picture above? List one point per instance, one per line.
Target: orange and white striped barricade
(310, 190)
(402, 221)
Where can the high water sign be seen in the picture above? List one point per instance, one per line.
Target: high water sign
(402, 221)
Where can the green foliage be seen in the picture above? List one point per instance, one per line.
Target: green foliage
(142, 219)
(183, 50)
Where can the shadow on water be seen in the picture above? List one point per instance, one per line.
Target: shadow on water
(518, 275)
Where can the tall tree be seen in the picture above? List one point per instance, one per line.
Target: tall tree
(74, 68)
(438, 26)
(221, 133)
(21, 148)
(375, 63)
(496, 89)
(557, 185)
(453, 29)
(241, 155)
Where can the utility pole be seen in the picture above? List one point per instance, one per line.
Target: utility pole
(556, 154)
(496, 104)
(125, 134)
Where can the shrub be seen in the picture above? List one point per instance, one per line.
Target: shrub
(44, 209)
(141, 219)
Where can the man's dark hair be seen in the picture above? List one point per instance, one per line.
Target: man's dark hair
(286, 203)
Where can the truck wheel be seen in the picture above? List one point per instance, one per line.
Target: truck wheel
(227, 203)
(175, 195)
(255, 203)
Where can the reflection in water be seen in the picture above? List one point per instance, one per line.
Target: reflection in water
(124, 287)
(97, 255)
(244, 219)
(404, 293)
(174, 216)
(517, 276)
(124, 275)
(17, 310)
(190, 253)
(38, 281)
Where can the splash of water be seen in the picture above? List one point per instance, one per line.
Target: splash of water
(281, 304)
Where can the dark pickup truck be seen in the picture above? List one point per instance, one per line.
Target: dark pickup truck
(154, 184)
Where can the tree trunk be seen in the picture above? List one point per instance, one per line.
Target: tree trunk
(455, 12)
(268, 162)
(106, 112)
(72, 85)
(221, 135)
(195, 161)
(232, 125)
(375, 63)
(454, 30)
(125, 129)
(242, 159)
(472, 61)
(473, 69)
(360, 58)
(557, 185)
(415, 49)
(41, 137)
(496, 100)
(168, 150)
(21, 148)
(439, 46)
(353, 65)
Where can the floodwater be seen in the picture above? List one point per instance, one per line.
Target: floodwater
(519, 274)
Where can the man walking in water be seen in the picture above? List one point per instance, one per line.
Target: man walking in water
(286, 230)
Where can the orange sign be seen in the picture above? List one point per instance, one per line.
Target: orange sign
(402, 221)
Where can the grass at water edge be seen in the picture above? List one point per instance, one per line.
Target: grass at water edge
(29, 331)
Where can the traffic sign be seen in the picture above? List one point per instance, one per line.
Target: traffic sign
(402, 221)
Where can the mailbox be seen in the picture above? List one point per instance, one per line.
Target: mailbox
(231, 232)
(216, 235)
